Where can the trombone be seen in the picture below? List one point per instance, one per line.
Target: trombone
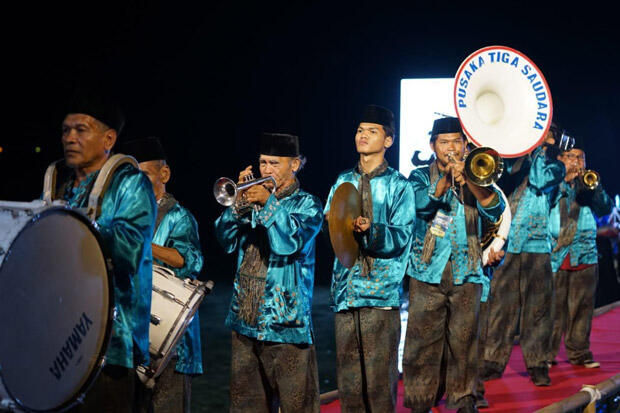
(226, 191)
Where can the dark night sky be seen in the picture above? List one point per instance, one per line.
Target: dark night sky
(208, 79)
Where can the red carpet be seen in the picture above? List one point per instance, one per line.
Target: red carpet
(514, 392)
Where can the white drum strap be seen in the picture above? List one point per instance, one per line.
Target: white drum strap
(103, 181)
(49, 183)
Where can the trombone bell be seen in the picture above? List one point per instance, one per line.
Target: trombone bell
(484, 166)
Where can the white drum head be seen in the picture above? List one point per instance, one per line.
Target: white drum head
(503, 101)
(55, 302)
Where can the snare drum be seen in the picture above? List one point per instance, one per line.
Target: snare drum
(173, 305)
(56, 306)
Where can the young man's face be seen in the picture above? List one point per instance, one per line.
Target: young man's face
(86, 141)
(573, 160)
(158, 173)
(370, 139)
(281, 168)
(448, 143)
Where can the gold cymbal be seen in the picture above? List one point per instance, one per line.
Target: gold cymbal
(346, 205)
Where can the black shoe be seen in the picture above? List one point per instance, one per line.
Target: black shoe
(481, 402)
(489, 372)
(470, 408)
(540, 376)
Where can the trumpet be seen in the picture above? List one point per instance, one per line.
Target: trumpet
(226, 191)
(589, 178)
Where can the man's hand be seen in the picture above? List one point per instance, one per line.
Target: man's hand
(457, 170)
(495, 257)
(361, 224)
(257, 194)
(244, 174)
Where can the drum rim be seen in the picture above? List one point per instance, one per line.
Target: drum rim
(109, 264)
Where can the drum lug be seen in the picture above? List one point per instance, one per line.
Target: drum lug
(155, 320)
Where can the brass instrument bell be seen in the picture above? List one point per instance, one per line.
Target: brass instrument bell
(226, 191)
(484, 166)
(590, 179)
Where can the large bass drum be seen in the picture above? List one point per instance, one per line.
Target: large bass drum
(56, 306)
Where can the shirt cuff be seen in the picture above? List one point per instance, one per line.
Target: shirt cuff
(266, 215)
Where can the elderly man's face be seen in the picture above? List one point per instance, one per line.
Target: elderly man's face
(281, 168)
(159, 175)
(86, 141)
(574, 160)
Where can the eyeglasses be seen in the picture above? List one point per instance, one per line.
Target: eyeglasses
(572, 156)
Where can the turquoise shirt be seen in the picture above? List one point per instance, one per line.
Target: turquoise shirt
(178, 229)
(453, 246)
(388, 240)
(126, 224)
(292, 224)
(529, 231)
(583, 248)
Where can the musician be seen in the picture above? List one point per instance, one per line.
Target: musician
(574, 259)
(273, 353)
(522, 286)
(89, 132)
(446, 282)
(176, 246)
(366, 296)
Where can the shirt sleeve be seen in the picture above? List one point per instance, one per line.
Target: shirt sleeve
(391, 238)
(426, 203)
(227, 228)
(545, 173)
(290, 231)
(130, 227)
(494, 211)
(184, 238)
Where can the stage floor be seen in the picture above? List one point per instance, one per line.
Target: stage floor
(514, 392)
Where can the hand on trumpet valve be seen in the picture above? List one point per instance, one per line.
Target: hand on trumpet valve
(245, 175)
(257, 194)
(456, 170)
(361, 224)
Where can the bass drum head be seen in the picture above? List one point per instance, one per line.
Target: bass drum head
(55, 303)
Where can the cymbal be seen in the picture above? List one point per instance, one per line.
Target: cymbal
(346, 205)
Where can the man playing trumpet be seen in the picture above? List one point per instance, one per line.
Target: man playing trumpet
(273, 354)
(447, 282)
(574, 258)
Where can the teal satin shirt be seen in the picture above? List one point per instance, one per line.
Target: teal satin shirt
(178, 229)
(583, 248)
(529, 231)
(453, 246)
(126, 224)
(388, 240)
(292, 224)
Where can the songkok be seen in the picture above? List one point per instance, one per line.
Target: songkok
(147, 149)
(99, 105)
(279, 144)
(445, 125)
(379, 115)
